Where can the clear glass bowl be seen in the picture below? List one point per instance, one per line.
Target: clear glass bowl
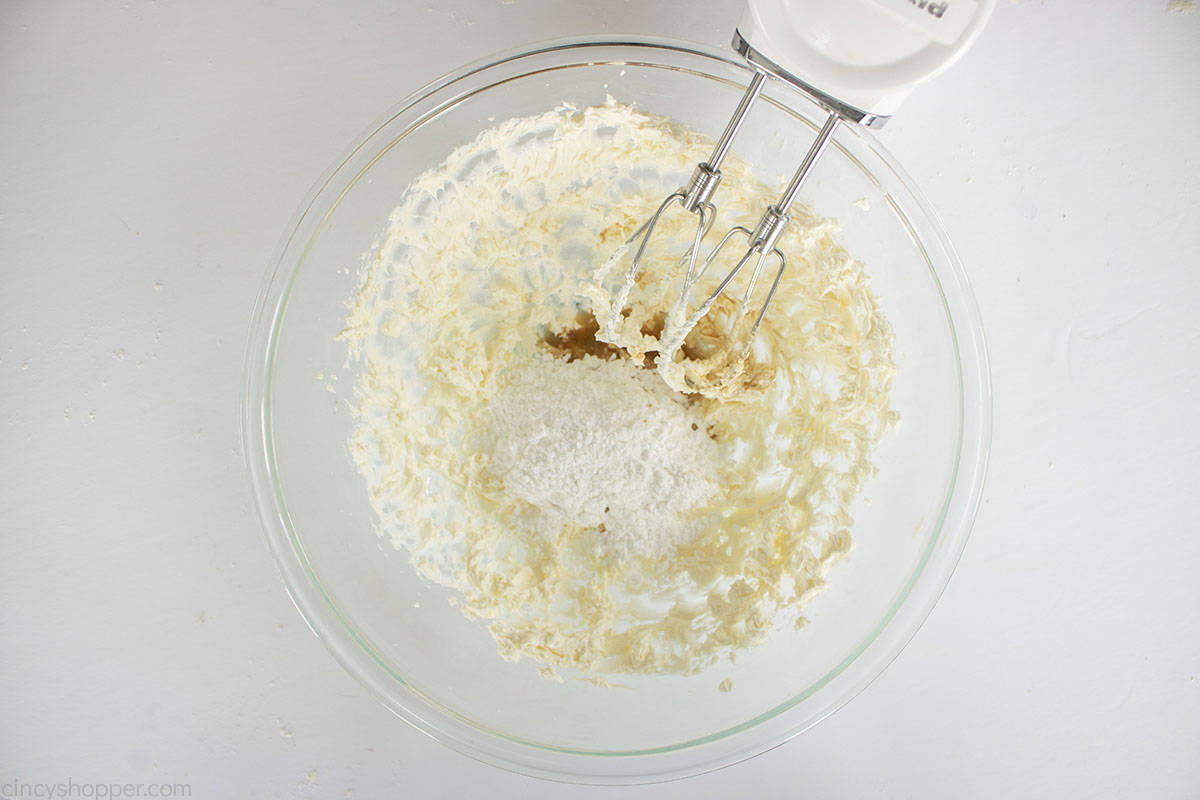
(398, 635)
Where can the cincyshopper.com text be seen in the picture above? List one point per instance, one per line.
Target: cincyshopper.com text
(70, 788)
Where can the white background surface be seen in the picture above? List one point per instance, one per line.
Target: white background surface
(150, 156)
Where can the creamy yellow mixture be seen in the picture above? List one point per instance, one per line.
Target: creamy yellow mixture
(502, 253)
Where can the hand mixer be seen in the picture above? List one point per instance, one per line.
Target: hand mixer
(858, 59)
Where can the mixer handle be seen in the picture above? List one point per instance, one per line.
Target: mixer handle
(858, 58)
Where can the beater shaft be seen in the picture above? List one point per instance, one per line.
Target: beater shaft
(814, 152)
(761, 241)
(695, 197)
(707, 174)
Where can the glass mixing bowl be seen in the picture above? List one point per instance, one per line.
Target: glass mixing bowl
(400, 637)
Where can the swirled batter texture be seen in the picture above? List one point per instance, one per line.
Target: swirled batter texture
(496, 274)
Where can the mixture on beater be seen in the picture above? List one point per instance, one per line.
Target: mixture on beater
(605, 503)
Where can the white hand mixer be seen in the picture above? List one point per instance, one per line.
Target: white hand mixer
(858, 59)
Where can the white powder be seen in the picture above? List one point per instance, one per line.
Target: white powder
(604, 445)
(501, 241)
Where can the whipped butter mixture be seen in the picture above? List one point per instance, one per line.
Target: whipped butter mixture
(605, 499)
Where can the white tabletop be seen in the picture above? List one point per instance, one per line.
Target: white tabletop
(151, 154)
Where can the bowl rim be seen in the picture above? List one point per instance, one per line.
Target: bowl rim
(691, 757)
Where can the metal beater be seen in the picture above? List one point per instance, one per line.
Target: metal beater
(863, 54)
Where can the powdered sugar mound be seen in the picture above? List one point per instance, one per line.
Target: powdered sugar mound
(604, 445)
